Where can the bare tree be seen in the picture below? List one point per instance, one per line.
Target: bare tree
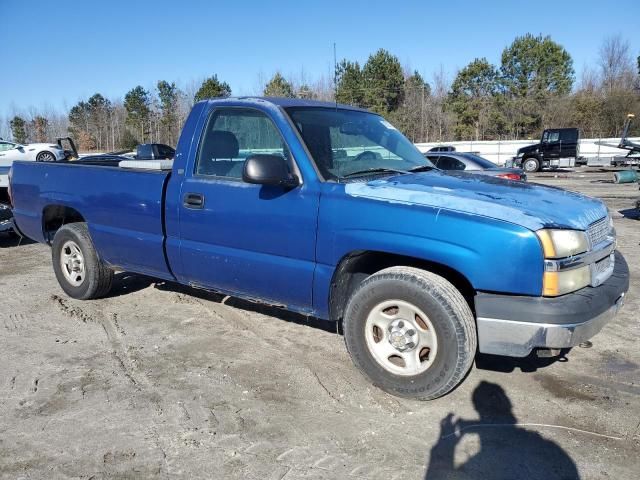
(616, 64)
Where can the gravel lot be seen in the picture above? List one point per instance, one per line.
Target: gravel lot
(161, 381)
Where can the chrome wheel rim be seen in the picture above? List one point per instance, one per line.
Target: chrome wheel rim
(530, 166)
(401, 338)
(72, 263)
(47, 157)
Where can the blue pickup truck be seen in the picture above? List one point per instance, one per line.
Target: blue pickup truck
(329, 211)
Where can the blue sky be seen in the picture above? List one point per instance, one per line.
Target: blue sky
(57, 52)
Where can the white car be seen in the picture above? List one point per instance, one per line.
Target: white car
(37, 152)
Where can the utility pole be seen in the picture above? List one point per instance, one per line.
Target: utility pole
(335, 75)
(422, 115)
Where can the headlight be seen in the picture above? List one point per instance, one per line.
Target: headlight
(559, 283)
(562, 243)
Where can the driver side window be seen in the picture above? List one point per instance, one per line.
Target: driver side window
(554, 136)
(4, 146)
(231, 136)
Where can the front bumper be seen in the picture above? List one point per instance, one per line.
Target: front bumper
(514, 325)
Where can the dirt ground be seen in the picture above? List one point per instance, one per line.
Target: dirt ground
(161, 381)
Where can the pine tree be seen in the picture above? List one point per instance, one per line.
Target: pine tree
(349, 85)
(471, 98)
(168, 94)
(383, 82)
(278, 86)
(137, 105)
(18, 129)
(212, 88)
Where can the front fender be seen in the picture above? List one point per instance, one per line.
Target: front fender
(493, 255)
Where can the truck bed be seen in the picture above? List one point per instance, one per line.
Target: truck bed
(125, 215)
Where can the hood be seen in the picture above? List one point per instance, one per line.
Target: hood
(525, 204)
(529, 148)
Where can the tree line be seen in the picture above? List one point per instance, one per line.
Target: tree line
(534, 87)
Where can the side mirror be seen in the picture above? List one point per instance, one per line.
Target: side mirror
(268, 170)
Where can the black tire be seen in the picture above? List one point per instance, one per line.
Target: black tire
(5, 213)
(531, 164)
(45, 156)
(96, 277)
(448, 313)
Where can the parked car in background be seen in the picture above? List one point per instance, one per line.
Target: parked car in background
(154, 151)
(472, 163)
(442, 148)
(558, 147)
(39, 152)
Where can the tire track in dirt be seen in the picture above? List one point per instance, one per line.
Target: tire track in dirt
(226, 418)
(245, 324)
(119, 352)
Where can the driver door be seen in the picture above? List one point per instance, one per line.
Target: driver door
(552, 147)
(256, 241)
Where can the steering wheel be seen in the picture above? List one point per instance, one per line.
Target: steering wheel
(366, 155)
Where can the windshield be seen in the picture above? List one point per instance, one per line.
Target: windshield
(348, 142)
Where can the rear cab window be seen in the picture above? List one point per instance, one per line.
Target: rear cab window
(569, 135)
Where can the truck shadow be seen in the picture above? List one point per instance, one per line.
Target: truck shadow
(9, 240)
(503, 448)
(528, 364)
(125, 283)
(256, 307)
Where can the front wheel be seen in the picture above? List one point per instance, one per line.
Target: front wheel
(79, 270)
(411, 332)
(531, 165)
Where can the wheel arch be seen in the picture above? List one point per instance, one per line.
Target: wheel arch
(355, 266)
(55, 216)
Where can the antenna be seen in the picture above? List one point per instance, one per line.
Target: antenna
(335, 75)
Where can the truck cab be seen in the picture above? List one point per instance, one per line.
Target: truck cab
(558, 147)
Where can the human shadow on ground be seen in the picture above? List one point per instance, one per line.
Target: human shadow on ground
(506, 450)
(633, 213)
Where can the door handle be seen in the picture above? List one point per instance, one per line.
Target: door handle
(193, 200)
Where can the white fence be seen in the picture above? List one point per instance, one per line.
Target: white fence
(499, 151)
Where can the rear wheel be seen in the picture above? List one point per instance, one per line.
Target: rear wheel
(46, 157)
(531, 165)
(411, 332)
(79, 271)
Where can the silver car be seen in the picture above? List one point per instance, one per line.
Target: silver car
(472, 163)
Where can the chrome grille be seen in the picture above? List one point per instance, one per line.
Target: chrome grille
(598, 231)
